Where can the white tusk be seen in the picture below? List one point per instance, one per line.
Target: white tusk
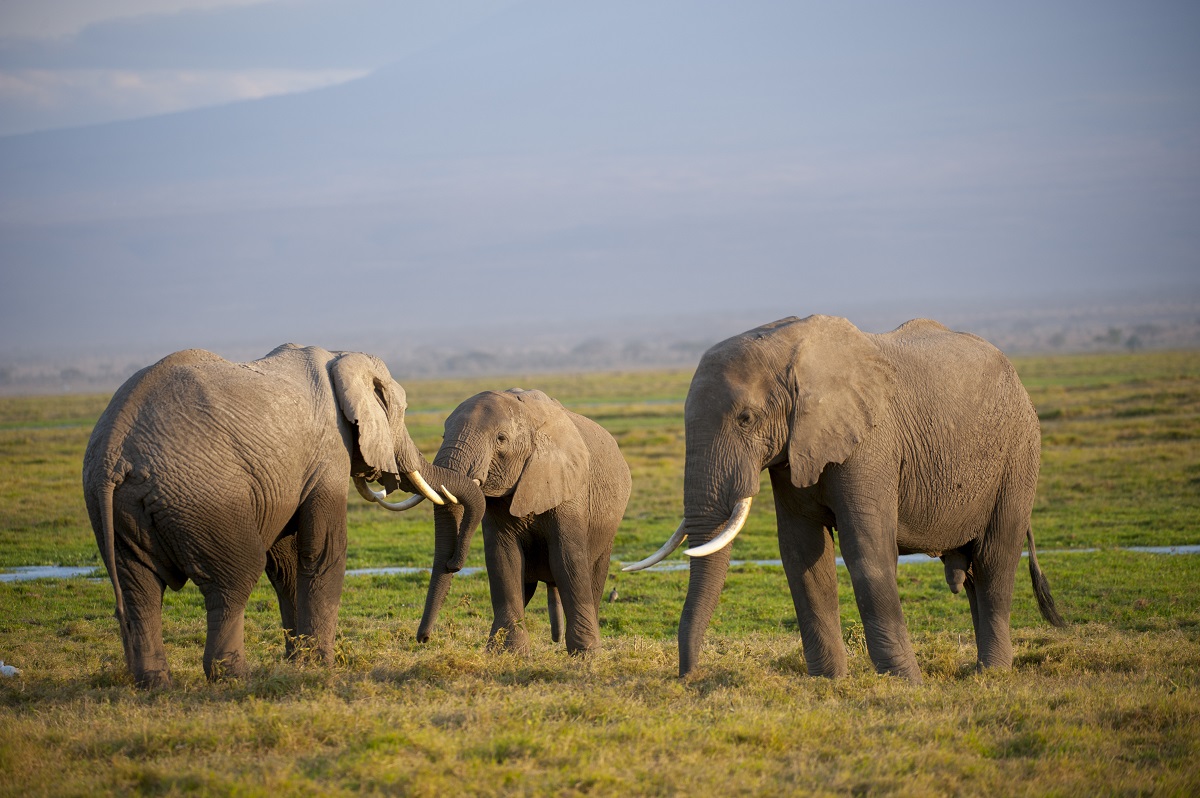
(477, 482)
(365, 491)
(407, 504)
(664, 552)
(725, 535)
(429, 493)
(453, 499)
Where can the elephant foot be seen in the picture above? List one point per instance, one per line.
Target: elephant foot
(509, 638)
(828, 670)
(230, 666)
(153, 680)
(306, 648)
(910, 672)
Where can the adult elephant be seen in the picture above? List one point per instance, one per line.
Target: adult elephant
(208, 470)
(918, 440)
(552, 487)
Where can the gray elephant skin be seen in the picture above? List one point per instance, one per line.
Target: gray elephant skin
(213, 471)
(551, 486)
(918, 440)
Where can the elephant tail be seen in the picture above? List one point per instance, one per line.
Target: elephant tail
(1041, 587)
(108, 551)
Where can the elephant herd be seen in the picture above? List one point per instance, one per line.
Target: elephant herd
(918, 440)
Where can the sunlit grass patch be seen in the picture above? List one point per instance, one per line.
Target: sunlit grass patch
(1107, 706)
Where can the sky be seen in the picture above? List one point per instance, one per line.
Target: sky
(201, 172)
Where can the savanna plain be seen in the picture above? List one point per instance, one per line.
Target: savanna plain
(1108, 706)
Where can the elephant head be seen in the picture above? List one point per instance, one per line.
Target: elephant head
(797, 394)
(517, 446)
(383, 451)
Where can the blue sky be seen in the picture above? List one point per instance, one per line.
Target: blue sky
(563, 161)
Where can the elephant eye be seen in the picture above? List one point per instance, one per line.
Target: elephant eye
(502, 438)
(746, 419)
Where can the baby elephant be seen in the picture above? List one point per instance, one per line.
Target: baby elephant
(553, 487)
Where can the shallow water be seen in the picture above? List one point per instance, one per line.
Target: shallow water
(25, 573)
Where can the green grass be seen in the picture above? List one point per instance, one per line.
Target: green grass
(1108, 706)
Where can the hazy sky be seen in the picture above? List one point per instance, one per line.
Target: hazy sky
(550, 161)
(73, 62)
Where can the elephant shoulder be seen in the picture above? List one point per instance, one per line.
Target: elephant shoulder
(186, 358)
(605, 453)
(918, 328)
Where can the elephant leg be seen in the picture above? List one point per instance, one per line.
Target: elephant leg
(224, 646)
(281, 570)
(321, 571)
(572, 569)
(226, 580)
(506, 582)
(993, 572)
(600, 566)
(868, 537)
(554, 609)
(142, 637)
(810, 562)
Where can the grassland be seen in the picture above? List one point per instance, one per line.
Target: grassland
(1109, 706)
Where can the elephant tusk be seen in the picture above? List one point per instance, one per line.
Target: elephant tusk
(450, 496)
(725, 535)
(429, 493)
(380, 497)
(664, 552)
(409, 503)
(365, 491)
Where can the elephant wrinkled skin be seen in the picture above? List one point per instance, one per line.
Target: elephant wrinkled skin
(917, 440)
(213, 471)
(551, 487)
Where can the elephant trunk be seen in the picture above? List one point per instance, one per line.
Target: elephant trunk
(706, 578)
(716, 506)
(454, 526)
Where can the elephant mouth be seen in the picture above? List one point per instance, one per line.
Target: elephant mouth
(722, 537)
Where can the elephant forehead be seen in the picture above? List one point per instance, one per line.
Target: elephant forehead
(738, 374)
(488, 410)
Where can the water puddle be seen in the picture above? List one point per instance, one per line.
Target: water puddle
(26, 573)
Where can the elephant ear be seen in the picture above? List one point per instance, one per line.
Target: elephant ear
(840, 383)
(365, 394)
(557, 467)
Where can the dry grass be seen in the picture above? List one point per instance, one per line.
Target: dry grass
(1110, 706)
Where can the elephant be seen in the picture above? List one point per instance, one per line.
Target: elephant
(553, 487)
(918, 440)
(208, 470)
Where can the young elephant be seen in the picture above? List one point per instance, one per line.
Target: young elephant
(208, 470)
(555, 488)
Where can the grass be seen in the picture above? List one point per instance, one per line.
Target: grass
(1109, 706)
